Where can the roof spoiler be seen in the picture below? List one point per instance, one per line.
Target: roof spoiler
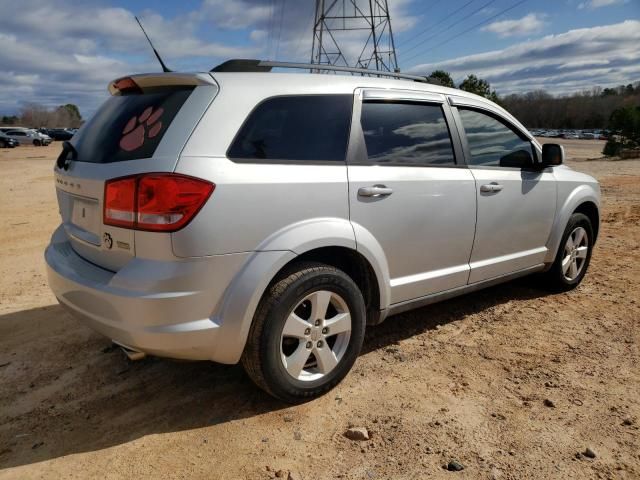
(150, 80)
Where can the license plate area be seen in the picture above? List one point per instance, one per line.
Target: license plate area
(85, 219)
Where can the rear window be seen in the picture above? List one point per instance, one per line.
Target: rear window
(296, 128)
(128, 127)
(406, 134)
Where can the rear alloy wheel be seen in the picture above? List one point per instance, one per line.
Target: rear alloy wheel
(315, 336)
(306, 334)
(574, 254)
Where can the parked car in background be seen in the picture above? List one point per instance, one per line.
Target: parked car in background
(60, 134)
(270, 218)
(7, 142)
(27, 136)
(45, 139)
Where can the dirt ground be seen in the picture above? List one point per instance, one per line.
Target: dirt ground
(512, 382)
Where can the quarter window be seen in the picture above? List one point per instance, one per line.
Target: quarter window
(492, 143)
(298, 128)
(406, 134)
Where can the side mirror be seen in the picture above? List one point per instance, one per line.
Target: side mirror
(552, 155)
(517, 159)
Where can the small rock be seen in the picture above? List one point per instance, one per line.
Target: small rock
(282, 474)
(549, 403)
(455, 466)
(297, 436)
(627, 421)
(293, 476)
(288, 418)
(357, 433)
(589, 453)
(265, 439)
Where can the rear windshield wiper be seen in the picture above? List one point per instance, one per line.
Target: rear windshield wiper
(68, 153)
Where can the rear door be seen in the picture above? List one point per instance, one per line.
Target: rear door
(516, 203)
(136, 131)
(409, 188)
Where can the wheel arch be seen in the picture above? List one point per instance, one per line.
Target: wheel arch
(327, 240)
(590, 209)
(583, 199)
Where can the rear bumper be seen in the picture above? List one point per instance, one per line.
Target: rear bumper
(163, 308)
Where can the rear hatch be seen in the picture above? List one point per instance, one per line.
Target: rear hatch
(140, 129)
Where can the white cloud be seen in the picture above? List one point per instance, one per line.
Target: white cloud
(531, 23)
(572, 61)
(599, 3)
(70, 50)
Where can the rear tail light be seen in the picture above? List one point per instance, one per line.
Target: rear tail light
(158, 202)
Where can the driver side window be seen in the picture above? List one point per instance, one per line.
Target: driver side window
(492, 143)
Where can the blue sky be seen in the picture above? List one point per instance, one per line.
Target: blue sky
(66, 51)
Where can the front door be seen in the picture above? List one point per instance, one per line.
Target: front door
(408, 189)
(516, 203)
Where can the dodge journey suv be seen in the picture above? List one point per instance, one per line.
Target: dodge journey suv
(269, 218)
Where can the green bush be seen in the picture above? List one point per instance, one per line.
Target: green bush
(612, 148)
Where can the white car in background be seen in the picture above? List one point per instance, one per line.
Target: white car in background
(27, 136)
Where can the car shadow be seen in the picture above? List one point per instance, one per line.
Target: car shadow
(67, 390)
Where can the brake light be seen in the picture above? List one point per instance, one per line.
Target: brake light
(158, 202)
(124, 85)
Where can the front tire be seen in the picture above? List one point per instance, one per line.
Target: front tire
(306, 334)
(37, 143)
(574, 255)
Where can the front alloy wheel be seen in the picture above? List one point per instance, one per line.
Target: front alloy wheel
(573, 256)
(575, 253)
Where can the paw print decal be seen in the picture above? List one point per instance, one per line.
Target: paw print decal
(139, 129)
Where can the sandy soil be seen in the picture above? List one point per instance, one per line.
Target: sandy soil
(512, 382)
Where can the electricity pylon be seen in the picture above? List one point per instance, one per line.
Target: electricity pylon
(344, 27)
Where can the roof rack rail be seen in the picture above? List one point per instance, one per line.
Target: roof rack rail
(242, 65)
(337, 68)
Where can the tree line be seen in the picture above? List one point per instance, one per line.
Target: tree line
(39, 116)
(589, 109)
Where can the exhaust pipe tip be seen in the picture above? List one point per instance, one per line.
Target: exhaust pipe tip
(131, 353)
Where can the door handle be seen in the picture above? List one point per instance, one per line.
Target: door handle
(491, 187)
(375, 191)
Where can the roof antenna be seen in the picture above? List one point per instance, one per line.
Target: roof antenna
(164, 67)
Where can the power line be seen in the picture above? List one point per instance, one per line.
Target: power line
(436, 24)
(467, 30)
(280, 28)
(450, 26)
(272, 4)
(304, 33)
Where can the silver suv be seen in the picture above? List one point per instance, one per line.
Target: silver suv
(269, 217)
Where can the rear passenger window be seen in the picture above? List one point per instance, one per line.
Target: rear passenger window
(494, 144)
(298, 128)
(406, 134)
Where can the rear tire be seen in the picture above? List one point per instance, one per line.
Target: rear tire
(306, 333)
(37, 143)
(573, 257)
